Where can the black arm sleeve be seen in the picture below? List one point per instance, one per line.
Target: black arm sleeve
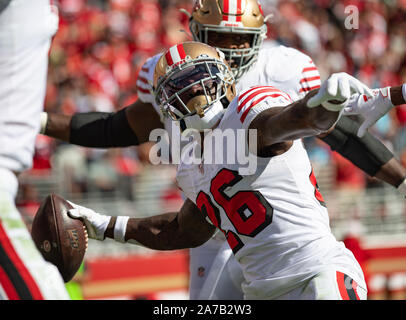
(367, 153)
(102, 130)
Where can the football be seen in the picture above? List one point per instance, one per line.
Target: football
(61, 239)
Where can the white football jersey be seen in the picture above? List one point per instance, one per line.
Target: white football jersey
(284, 68)
(289, 239)
(274, 218)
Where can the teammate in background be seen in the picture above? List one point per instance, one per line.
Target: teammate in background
(26, 29)
(237, 27)
(274, 217)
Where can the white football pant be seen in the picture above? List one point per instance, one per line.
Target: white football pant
(214, 272)
(216, 275)
(329, 284)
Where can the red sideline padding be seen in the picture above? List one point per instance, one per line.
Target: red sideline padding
(136, 275)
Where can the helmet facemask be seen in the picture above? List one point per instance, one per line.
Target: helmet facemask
(220, 23)
(239, 59)
(193, 92)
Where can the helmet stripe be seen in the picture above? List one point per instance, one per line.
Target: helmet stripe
(226, 6)
(175, 55)
(181, 51)
(168, 57)
(231, 9)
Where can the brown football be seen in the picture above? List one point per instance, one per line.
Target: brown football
(61, 239)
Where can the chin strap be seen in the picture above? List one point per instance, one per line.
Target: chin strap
(184, 11)
(268, 17)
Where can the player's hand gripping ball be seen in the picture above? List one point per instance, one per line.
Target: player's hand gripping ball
(61, 239)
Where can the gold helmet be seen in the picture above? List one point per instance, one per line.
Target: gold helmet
(211, 18)
(193, 84)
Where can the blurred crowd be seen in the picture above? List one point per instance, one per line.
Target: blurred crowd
(101, 45)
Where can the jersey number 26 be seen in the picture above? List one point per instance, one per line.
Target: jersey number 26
(248, 211)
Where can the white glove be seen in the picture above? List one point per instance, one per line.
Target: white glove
(96, 223)
(371, 109)
(338, 87)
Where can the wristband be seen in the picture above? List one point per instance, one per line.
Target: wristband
(120, 228)
(402, 188)
(404, 91)
(44, 121)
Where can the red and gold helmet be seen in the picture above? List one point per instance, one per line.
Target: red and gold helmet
(193, 84)
(244, 18)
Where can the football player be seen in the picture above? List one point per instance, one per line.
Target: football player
(274, 218)
(26, 29)
(238, 28)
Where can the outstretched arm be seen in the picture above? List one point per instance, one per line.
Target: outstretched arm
(280, 125)
(176, 230)
(366, 152)
(314, 114)
(276, 126)
(127, 127)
